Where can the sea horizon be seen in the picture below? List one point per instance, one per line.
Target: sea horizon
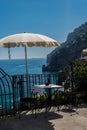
(17, 66)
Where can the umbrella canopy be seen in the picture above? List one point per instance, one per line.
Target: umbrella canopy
(27, 39)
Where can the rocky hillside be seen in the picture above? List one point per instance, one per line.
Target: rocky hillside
(69, 50)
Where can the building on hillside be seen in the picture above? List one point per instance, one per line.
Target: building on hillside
(84, 54)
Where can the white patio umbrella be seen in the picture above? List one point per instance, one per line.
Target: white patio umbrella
(27, 39)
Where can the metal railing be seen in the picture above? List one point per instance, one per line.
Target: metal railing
(13, 88)
(6, 93)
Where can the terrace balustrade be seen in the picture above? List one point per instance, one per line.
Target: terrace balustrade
(13, 88)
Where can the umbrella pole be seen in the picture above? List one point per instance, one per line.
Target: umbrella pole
(9, 54)
(27, 78)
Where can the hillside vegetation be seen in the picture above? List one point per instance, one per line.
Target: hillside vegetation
(71, 49)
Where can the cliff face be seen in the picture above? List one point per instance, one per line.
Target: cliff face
(69, 50)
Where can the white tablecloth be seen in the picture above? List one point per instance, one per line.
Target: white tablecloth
(40, 89)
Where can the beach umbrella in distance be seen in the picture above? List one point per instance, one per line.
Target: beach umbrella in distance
(27, 39)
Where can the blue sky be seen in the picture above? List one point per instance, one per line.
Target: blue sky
(54, 18)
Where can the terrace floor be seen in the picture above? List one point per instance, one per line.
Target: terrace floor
(63, 120)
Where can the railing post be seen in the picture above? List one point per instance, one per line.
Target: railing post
(13, 81)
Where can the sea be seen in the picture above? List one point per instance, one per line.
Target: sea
(17, 66)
